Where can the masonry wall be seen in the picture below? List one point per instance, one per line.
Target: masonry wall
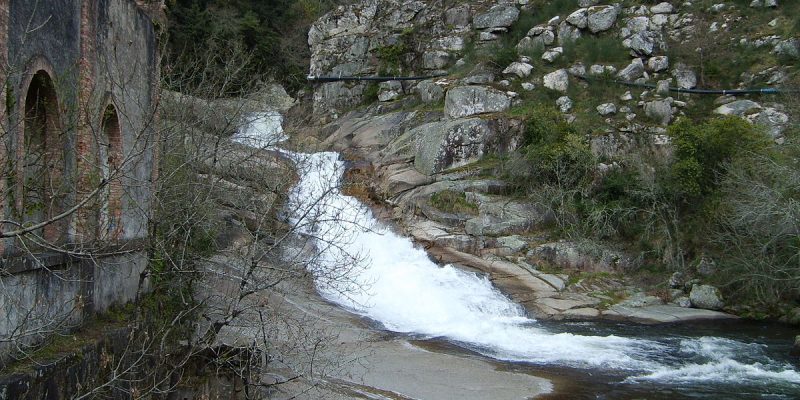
(101, 55)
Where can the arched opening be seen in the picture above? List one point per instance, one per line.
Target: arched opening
(43, 187)
(109, 156)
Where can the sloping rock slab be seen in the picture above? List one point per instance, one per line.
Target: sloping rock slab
(663, 314)
(516, 282)
(464, 101)
(453, 143)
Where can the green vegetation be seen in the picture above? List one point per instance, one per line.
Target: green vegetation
(703, 151)
(543, 10)
(552, 150)
(273, 32)
(453, 202)
(718, 61)
(394, 59)
(726, 192)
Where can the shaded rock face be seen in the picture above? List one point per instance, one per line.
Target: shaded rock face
(448, 144)
(774, 122)
(497, 216)
(601, 18)
(499, 16)
(429, 92)
(633, 71)
(464, 101)
(347, 42)
(685, 77)
(557, 80)
(391, 90)
(519, 69)
(738, 108)
(570, 255)
(659, 110)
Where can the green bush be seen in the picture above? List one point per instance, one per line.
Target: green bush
(702, 151)
(555, 152)
(596, 49)
(370, 93)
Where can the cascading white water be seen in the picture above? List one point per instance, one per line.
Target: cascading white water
(366, 268)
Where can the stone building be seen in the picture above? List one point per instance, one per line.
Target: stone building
(77, 159)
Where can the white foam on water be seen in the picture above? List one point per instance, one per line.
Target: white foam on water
(727, 370)
(262, 130)
(393, 282)
(364, 267)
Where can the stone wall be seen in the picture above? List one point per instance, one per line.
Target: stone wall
(98, 60)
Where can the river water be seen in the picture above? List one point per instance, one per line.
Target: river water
(369, 270)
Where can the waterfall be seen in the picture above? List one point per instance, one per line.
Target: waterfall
(369, 270)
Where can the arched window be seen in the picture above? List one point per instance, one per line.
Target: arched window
(42, 177)
(109, 156)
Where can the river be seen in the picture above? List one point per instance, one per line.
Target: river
(367, 269)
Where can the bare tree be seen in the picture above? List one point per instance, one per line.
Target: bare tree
(219, 250)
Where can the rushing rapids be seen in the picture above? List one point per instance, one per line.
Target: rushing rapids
(369, 270)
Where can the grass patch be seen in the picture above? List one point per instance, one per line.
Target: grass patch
(607, 49)
(453, 202)
(543, 10)
(485, 167)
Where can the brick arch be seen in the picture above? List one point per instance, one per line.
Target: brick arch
(41, 143)
(109, 157)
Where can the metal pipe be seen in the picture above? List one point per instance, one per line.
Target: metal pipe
(733, 92)
(371, 78)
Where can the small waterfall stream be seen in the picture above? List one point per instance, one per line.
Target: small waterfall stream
(367, 269)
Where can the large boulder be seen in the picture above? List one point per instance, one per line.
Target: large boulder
(429, 92)
(437, 59)
(579, 18)
(606, 109)
(402, 178)
(642, 43)
(564, 104)
(773, 120)
(464, 101)
(499, 16)
(537, 39)
(552, 54)
(738, 108)
(447, 144)
(520, 69)
(637, 24)
(499, 216)
(706, 297)
(391, 90)
(633, 71)
(558, 80)
(571, 255)
(788, 48)
(658, 63)
(685, 77)
(662, 8)
(457, 16)
(601, 18)
(659, 110)
(567, 34)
